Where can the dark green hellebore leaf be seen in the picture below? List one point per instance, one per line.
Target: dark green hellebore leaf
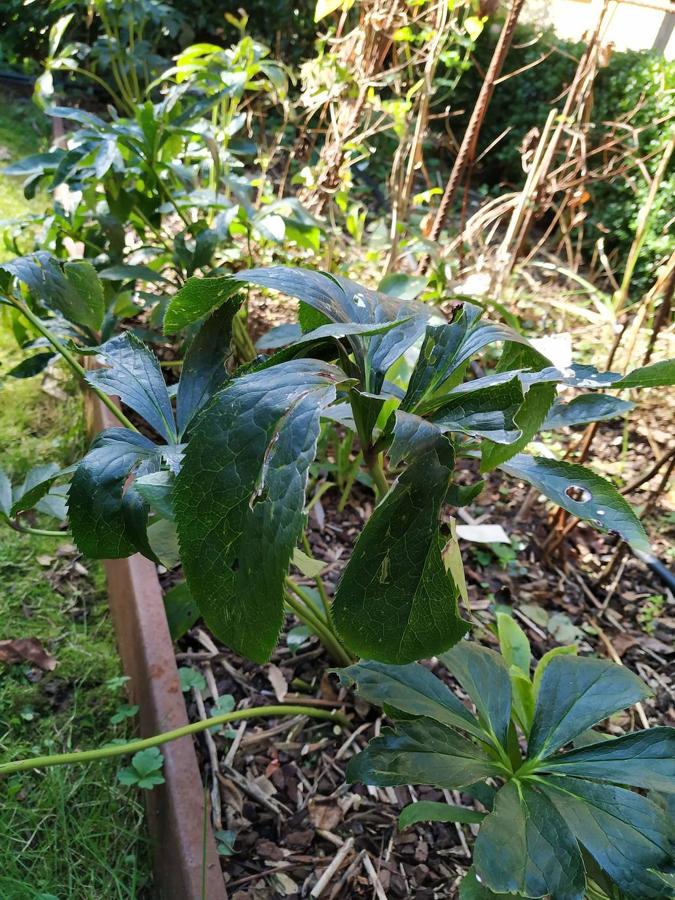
(626, 833)
(463, 494)
(429, 811)
(412, 435)
(525, 847)
(203, 371)
(366, 409)
(644, 759)
(84, 278)
(32, 365)
(528, 419)
(395, 601)
(181, 610)
(196, 299)
(103, 522)
(576, 693)
(482, 412)
(73, 296)
(422, 751)
(485, 677)
(581, 492)
(471, 889)
(36, 484)
(133, 374)
(445, 350)
(342, 300)
(660, 374)
(584, 409)
(156, 489)
(667, 878)
(239, 497)
(413, 690)
(124, 272)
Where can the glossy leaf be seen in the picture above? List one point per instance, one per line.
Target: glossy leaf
(584, 409)
(626, 834)
(525, 847)
(156, 488)
(103, 521)
(413, 690)
(567, 650)
(395, 601)
(576, 693)
(203, 371)
(5, 495)
(528, 419)
(412, 435)
(239, 497)
(644, 759)
(485, 677)
(133, 374)
(83, 277)
(482, 411)
(472, 889)
(36, 484)
(581, 492)
(196, 299)
(421, 751)
(429, 811)
(445, 350)
(342, 300)
(76, 295)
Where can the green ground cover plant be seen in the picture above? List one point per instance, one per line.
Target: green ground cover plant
(559, 824)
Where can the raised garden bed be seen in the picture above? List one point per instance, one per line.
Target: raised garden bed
(186, 863)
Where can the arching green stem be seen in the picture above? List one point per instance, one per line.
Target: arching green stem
(85, 756)
(72, 362)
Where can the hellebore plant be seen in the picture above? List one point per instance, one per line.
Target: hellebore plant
(560, 823)
(217, 480)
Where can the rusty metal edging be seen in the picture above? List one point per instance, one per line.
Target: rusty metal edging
(185, 860)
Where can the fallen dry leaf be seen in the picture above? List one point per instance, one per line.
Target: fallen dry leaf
(324, 815)
(28, 650)
(278, 682)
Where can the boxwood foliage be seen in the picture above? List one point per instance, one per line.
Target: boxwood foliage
(216, 478)
(560, 819)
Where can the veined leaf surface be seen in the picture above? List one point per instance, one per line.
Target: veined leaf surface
(239, 498)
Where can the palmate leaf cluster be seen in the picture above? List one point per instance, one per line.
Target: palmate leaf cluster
(217, 479)
(558, 823)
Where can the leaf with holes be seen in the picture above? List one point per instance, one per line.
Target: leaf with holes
(239, 497)
(581, 492)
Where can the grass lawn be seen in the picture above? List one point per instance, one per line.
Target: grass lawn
(23, 131)
(71, 833)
